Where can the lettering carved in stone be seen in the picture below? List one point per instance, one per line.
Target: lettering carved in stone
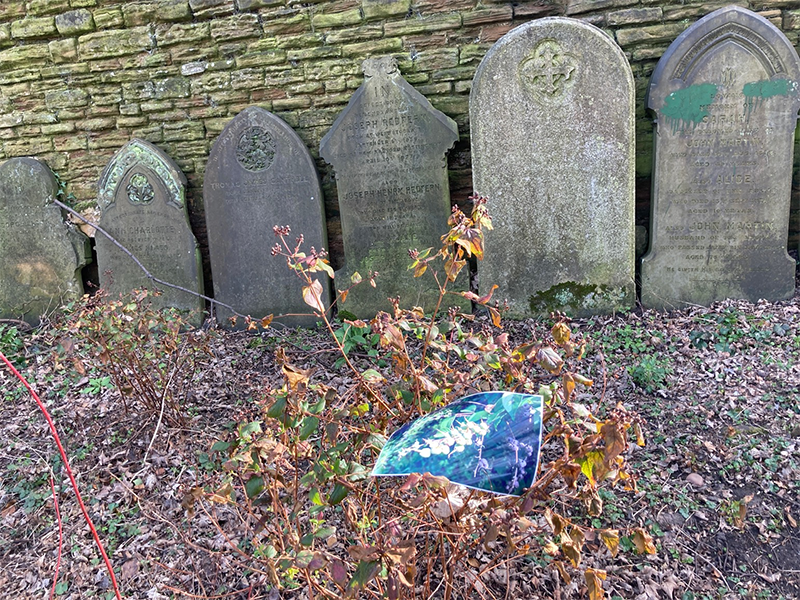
(255, 149)
(548, 72)
(139, 189)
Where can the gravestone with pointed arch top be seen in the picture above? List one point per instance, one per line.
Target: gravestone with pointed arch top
(388, 151)
(725, 96)
(260, 174)
(40, 254)
(552, 131)
(142, 202)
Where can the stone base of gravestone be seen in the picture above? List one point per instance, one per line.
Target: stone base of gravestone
(143, 207)
(259, 175)
(388, 151)
(552, 131)
(726, 96)
(40, 254)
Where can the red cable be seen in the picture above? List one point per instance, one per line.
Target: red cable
(69, 471)
(60, 537)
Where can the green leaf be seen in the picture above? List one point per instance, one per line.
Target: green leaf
(254, 486)
(325, 532)
(317, 408)
(220, 446)
(372, 376)
(308, 427)
(365, 572)
(246, 431)
(338, 494)
(277, 410)
(316, 497)
(304, 557)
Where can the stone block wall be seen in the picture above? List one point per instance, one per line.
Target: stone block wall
(79, 78)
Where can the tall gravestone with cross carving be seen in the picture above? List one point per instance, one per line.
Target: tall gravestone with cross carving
(552, 129)
(41, 255)
(259, 175)
(142, 202)
(725, 96)
(388, 150)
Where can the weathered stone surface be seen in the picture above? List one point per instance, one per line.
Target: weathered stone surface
(552, 120)
(141, 195)
(66, 98)
(337, 19)
(381, 9)
(103, 44)
(33, 27)
(726, 98)
(388, 150)
(75, 22)
(40, 254)
(260, 174)
(23, 56)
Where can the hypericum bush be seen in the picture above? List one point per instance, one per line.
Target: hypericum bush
(299, 474)
(146, 351)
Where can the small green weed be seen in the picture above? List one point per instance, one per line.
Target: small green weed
(12, 345)
(651, 373)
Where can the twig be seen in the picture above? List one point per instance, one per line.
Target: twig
(163, 404)
(64, 459)
(60, 537)
(144, 269)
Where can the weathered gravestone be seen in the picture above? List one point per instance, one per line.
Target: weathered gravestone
(142, 202)
(552, 119)
(388, 150)
(40, 255)
(260, 174)
(725, 96)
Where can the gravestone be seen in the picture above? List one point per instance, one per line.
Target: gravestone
(40, 254)
(388, 151)
(725, 96)
(260, 174)
(552, 119)
(142, 202)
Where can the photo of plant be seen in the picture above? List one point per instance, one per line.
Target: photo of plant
(488, 441)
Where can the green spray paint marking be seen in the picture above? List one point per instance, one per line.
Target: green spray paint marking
(689, 105)
(768, 89)
(756, 92)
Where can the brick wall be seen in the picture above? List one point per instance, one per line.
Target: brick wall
(79, 78)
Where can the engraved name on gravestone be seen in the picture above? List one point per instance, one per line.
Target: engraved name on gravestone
(142, 202)
(552, 120)
(40, 254)
(388, 151)
(725, 97)
(260, 174)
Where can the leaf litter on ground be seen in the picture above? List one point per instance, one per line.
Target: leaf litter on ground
(718, 489)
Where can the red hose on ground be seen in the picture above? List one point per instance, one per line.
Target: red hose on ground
(60, 537)
(53, 431)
